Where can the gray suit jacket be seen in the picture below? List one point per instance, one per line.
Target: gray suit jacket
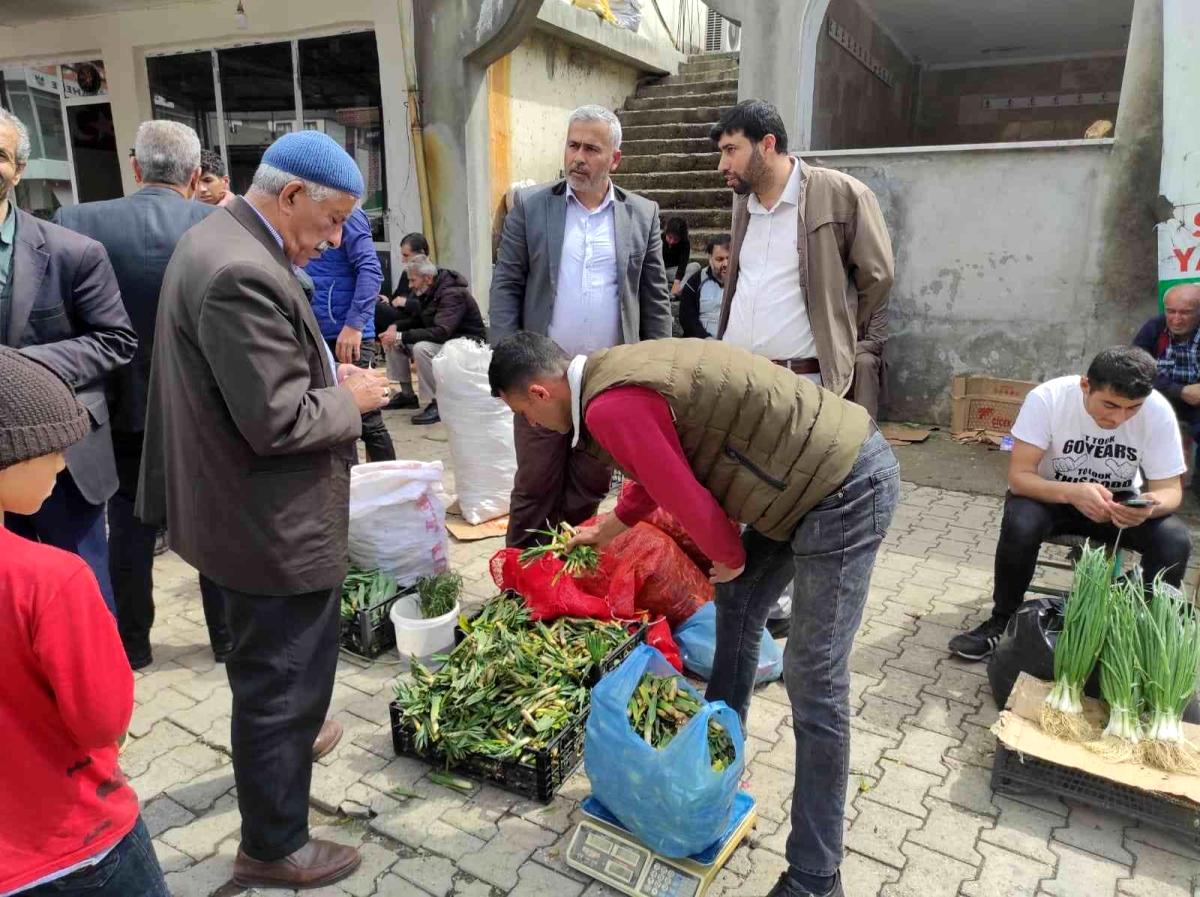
(66, 312)
(248, 441)
(525, 278)
(139, 232)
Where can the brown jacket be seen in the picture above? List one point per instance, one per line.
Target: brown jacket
(249, 440)
(846, 265)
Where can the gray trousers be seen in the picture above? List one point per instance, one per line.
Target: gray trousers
(399, 368)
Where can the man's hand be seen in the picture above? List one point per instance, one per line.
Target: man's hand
(347, 370)
(605, 530)
(400, 301)
(388, 338)
(1125, 516)
(349, 344)
(1093, 501)
(369, 389)
(720, 573)
(383, 300)
(676, 287)
(1191, 394)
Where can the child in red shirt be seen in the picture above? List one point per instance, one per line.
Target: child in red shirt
(69, 823)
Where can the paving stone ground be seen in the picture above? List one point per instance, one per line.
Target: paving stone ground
(921, 818)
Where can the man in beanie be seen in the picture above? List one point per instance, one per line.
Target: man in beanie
(68, 820)
(60, 304)
(250, 436)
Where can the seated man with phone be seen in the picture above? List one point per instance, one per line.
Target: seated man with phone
(1081, 446)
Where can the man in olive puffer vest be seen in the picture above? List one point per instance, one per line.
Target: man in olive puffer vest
(719, 437)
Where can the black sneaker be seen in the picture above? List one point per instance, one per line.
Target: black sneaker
(428, 416)
(980, 641)
(788, 887)
(401, 401)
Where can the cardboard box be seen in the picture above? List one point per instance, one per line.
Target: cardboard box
(986, 403)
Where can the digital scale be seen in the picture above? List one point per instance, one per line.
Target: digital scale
(604, 849)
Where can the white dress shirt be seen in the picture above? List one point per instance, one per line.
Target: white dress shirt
(769, 312)
(587, 301)
(712, 291)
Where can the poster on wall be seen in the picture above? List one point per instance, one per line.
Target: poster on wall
(1179, 236)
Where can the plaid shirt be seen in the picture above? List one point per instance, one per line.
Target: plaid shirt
(1180, 360)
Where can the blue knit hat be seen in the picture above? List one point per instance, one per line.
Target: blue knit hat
(318, 158)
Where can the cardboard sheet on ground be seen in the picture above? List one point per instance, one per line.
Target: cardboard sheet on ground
(899, 434)
(466, 532)
(1019, 730)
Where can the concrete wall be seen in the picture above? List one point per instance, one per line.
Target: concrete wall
(993, 270)
(950, 106)
(681, 24)
(852, 107)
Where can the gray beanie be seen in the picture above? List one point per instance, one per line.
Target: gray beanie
(38, 412)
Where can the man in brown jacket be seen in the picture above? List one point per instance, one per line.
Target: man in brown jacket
(250, 435)
(812, 262)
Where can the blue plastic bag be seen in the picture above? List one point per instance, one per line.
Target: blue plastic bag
(697, 640)
(672, 799)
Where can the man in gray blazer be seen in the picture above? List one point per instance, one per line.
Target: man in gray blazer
(60, 304)
(140, 232)
(581, 262)
(250, 432)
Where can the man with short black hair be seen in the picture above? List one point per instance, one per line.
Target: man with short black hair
(213, 188)
(1081, 446)
(700, 298)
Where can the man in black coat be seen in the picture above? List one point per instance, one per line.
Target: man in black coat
(140, 232)
(60, 304)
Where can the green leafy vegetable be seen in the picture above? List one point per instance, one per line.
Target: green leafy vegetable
(438, 594)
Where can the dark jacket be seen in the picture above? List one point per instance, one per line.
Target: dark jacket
(525, 278)
(689, 305)
(347, 280)
(447, 311)
(66, 312)
(1156, 339)
(139, 232)
(675, 259)
(248, 440)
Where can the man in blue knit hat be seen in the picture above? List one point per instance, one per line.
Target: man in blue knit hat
(250, 436)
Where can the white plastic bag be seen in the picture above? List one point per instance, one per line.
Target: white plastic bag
(397, 521)
(480, 428)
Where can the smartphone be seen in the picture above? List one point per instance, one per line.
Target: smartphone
(1138, 502)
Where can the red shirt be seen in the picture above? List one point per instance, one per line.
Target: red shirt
(66, 696)
(635, 426)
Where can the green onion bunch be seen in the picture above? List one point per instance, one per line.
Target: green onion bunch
(577, 561)
(1119, 678)
(364, 589)
(1085, 622)
(658, 709)
(1168, 654)
(437, 595)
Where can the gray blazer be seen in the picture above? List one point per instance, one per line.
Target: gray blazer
(525, 278)
(66, 312)
(248, 441)
(139, 232)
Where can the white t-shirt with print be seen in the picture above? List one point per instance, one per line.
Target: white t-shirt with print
(1078, 450)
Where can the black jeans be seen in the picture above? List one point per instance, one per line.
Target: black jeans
(1163, 542)
(129, 870)
(131, 559)
(285, 651)
(829, 561)
(375, 437)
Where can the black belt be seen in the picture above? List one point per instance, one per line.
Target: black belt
(799, 365)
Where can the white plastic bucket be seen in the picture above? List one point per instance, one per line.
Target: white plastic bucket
(417, 636)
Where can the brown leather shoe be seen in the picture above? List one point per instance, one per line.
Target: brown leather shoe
(316, 864)
(327, 738)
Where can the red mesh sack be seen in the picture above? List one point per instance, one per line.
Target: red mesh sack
(549, 595)
(650, 569)
(658, 635)
(666, 522)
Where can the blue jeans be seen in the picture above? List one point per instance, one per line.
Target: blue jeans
(830, 557)
(130, 870)
(69, 521)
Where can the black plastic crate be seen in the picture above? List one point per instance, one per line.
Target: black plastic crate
(369, 632)
(1016, 773)
(539, 776)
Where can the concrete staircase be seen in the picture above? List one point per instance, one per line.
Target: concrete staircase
(666, 152)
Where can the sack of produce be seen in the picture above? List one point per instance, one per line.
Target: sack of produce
(666, 522)
(662, 760)
(697, 640)
(659, 577)
(480, 428)
(397, 521)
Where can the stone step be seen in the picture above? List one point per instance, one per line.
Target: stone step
(700, 115)
(706, 179)
(676, 198)
(668, 160)
(668, 87)
(724, 54)
(714, 63)
(723, 98)
(637, 149)
(716, 220)
(659, 132)
(702, 75)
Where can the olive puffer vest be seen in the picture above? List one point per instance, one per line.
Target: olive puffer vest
(767, 443)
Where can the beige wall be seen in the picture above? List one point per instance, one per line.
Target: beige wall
(852, 108)
(951, 111)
